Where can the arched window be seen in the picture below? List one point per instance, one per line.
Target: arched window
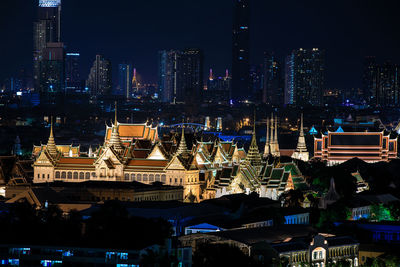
(94, 175)
(157, 178)
(87, 175)
(133, 177)
(57, 175)
(144, 177)
(69, 175)
(151, 177)
(163, 178)
(81, 176)
(75, 175)
(126, 176)
(139, 177)
(63, 175)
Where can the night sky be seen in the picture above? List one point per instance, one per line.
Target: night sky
(133, 31)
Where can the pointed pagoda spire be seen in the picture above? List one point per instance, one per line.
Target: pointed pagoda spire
(115, 140)
(51, 144)
(267, 141)
(253, 155)
(301, 149)
(276, 130)
(182, 148)
(272, 129)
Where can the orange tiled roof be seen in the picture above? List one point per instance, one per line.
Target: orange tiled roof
(128, 131)
(147, 163)
(142, 154)
(68, 160)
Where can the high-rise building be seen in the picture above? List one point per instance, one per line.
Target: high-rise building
(305, 81)
(218, 88)
(272, 81)
(72, 75)
(99, 81)
(125, 72)
(51, 69)
(167, 75)
(191, 75)
(370, 80)
(381, 83)
(180, 75)
(240, 50)
(46, 29)
(256, 81)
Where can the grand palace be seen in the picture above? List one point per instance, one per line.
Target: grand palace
(206, 169)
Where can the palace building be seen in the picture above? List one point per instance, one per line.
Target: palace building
(338, 147)
(205, 169)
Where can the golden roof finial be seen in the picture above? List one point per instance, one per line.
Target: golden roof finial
(115, 119)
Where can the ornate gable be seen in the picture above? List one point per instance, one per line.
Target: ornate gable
(44, 159)
(156, 153)
(175, 164)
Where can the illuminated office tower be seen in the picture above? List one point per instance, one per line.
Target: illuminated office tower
(72, 76)
(51, 69)
(99, 81)
(125, 72)
(168, 75)
(46, 29)
(240, 50)
(305, 77)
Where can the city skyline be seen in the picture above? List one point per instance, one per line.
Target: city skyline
(370, 27)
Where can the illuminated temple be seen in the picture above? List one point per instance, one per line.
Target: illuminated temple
(134, 152)
(338, 147)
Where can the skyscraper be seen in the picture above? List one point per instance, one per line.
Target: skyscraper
(240, 50)
(46, 29)
(180, 75)
(125, 72)
(273, 82)
(51, 69)
(305, 81)
(167, 75)
(191, 75)
(370, 80)
(72, 75)
(99, 81)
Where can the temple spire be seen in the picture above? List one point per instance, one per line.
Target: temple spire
(51, 145)
(253, 156)
(301, 149)
(182, 148)
(267, 141)
(115, 114)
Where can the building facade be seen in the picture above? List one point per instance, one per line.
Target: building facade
(73, 83)
(241, 50)
(338, 147)
(305, 80)
(125, 73)
(99, 81)
(46, 29)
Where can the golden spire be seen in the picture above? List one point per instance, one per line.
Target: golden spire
(115, 118)
(51, 145)
(182, 148)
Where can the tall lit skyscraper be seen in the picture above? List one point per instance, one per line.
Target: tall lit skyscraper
(99, 81)
(125, 73)
(305, 77)
(72, 75)
(180, 75)
(51, 69)
(273, 82)
(240, 50)
(167, 75)
(46, 29)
